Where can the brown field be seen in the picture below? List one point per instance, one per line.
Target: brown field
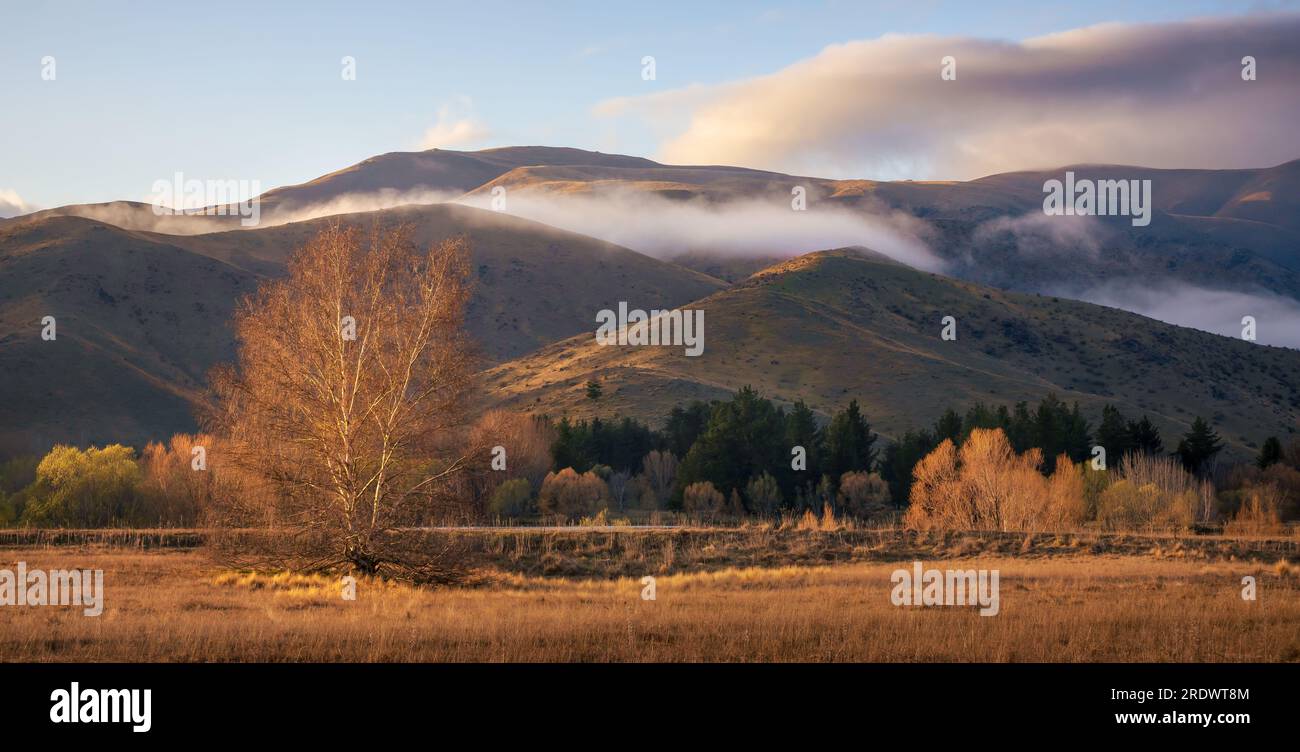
(1063, 598)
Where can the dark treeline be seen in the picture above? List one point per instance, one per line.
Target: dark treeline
(744, 455)
(617, 444)
(730, 443)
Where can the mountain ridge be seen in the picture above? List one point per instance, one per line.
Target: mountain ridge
(142, 316)
(832, 326)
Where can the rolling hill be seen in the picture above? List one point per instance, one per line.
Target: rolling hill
(833, 326)
(376, 183)
(142, 316)
(138, 323)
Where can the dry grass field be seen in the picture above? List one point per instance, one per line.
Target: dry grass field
(1157, 600)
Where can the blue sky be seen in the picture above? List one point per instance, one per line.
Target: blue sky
(253, 90)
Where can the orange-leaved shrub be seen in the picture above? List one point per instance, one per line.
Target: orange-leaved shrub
(178, 478)
(570, 494)
(987, 486)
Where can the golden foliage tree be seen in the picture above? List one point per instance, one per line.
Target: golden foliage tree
(987, 486)
(571, 494)
(348, 396)
(178, 479)
(525, 442)
(92, 487)
(936, 498)
(1067, 506)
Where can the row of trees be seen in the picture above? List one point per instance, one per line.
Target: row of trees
(987, 485)
(738, 460)
(745, 455)
(107, 487)
(1057, 431)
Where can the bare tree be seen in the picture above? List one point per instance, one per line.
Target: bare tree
(348, 395)
(660, 468)
(526, 440)
(618, 482)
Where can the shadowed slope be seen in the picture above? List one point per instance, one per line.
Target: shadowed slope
(142, 316)
(833, 326)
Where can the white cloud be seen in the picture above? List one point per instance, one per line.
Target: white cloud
(667, 228)
(1277, 318)
(1159, 95)
(1038, 234)
(11, 204)
(455, 127)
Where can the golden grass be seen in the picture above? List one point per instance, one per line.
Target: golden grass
(177, 606)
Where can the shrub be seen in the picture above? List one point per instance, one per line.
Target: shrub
(1067, 505)
(1181, 498)
(570, 495)
(863, 494)
(1125, 505)
(175, 493)
(90, 488)
(641, 494)
(764, 494)
(1287, 481)
(735, 507)
(1129, 504)
(512, 498)
(1258, 514)
(703, 498)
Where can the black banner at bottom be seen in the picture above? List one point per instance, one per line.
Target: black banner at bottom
(138, 704)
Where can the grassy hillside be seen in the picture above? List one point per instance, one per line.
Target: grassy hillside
(139, 321)
(534, 284)
(436, 173)
(142, 316)
(833, 326)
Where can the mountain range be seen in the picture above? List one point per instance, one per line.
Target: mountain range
(842, 300)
